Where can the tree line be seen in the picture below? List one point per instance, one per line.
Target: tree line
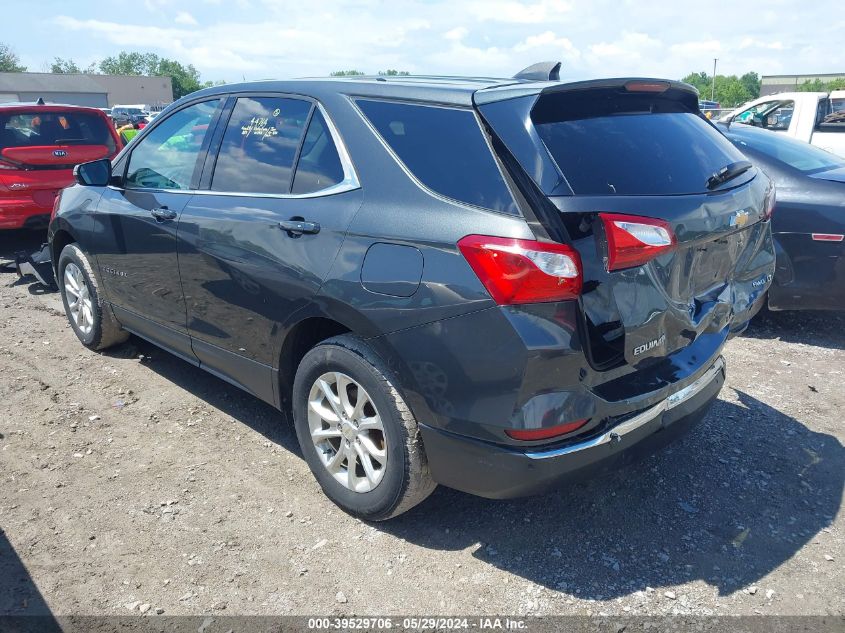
(732, 91)
(184, 78)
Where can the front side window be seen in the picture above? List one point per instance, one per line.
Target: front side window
(748, 116)
(773, 115)
(260, 144)
(445, 149)
(167, 157)
(780, 118)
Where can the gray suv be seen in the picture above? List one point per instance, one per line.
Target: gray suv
(490, 284)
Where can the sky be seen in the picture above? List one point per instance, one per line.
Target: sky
(233, 40)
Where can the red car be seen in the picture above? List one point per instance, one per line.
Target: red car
(39, 146)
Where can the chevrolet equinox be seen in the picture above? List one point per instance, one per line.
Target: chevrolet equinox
(490, 284)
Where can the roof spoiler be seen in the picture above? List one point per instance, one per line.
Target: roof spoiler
(675, 90)
(541, 71)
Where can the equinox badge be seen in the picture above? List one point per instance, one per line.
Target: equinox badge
(650, 345)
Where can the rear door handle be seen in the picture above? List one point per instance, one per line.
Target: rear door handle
(163, 213)
(298, 227)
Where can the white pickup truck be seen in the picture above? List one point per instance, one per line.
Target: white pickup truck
(815, 117)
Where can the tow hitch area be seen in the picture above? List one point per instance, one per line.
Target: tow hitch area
(37, 264)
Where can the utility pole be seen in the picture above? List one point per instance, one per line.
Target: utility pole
(713, 85)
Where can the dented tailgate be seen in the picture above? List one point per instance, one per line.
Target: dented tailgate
(640, 149)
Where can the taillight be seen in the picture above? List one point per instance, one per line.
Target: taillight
(528, 435)
(769, 203)
(523, 271)
(56, 203)
(633, 240)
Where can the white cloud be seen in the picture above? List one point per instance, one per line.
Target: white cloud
(634, 53)
(548, 46)
(183, 17)
(706, 47)
(268, 38)
(750, 42)
(513, 12)
(456, 34)
(154, 5)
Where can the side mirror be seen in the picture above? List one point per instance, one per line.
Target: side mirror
(772, 120)
(97, 173)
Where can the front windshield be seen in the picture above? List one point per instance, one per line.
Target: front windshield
(802, 156)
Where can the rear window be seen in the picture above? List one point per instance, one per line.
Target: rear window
(630, 144)
(445, 149)
(54, 128)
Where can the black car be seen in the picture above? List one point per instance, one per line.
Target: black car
(440, 292)
(123, 115)
(809, 220)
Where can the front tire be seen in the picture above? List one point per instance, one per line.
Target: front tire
(91, 319)
(356, 433)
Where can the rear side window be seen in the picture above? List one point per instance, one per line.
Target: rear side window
(630, 145)
(319, 165)
(445, 149)
(260, 145)
(54, 128)
(831, 115)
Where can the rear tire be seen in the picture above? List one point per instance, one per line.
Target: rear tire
(347, 410)
(91, 319)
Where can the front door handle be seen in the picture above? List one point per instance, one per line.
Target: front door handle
(298, 226)
(162, 214)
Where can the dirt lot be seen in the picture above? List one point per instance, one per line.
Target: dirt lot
(132, 482)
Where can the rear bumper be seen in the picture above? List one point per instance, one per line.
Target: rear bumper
(500, 472)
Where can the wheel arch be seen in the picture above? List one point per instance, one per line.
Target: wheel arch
(60, 238)
(299, 339)
(316, 326)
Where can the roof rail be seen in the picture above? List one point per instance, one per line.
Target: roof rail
(541, 71)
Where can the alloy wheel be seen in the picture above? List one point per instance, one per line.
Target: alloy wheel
(79, 304)
(347, 431)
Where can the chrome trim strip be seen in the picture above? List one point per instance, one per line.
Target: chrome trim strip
(673, 400)
(624, 428)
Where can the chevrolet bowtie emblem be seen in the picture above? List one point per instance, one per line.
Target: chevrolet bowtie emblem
(740, 218)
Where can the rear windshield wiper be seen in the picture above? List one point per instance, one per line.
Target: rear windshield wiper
(728, 172)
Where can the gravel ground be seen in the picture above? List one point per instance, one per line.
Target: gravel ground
(133, 482)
